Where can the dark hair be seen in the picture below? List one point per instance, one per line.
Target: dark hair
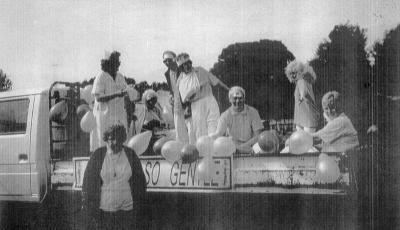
(107, 64)
(180, 68)
(118, 131)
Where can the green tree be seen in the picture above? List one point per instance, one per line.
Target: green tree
(5, 82)
(386, 79)
(341, 64)
(258, 67)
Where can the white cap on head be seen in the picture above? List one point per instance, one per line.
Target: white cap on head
(168, 54)
(236, 91)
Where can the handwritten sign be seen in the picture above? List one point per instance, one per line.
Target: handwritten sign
(160, 173)
(79, 164)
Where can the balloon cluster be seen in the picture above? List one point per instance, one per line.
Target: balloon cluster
(205, 148)
(86, 94)
(327, 169)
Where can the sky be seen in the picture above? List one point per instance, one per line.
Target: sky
(42, 41)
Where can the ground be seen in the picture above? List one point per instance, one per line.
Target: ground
(201, 211)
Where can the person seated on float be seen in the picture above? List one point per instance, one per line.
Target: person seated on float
(339, 134)
(148, 113)
(241, 122)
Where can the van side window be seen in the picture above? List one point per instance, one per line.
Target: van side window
(13, 116)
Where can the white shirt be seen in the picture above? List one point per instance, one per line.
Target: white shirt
(115, 191)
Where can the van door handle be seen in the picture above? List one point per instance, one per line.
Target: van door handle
(22, 158)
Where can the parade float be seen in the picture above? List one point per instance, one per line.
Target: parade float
(46, 138)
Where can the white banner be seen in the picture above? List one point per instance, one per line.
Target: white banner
(160, 173)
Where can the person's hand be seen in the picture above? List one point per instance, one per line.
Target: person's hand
(123, 93)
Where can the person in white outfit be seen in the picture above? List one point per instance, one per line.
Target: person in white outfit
(171, 75)
(109, 90)
(201, 108)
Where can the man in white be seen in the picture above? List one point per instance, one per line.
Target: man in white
(201, 108)
(109, 90)
(240, 122)
(171, 75)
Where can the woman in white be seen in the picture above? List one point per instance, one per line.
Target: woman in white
(201, 108)
(109, 90)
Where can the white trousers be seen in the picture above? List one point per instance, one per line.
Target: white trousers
(204, 120)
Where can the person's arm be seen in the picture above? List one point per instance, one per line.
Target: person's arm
(252, 140)
(256, 126)
(223, 85)
(330, 132)
(212, 78)
(99, 88)
(108, 97)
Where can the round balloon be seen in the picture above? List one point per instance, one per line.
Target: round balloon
(159, 144)
(189, 154)
(327, 170)
(88, 122)
(59, 111)
(167, 116)
(205, 145)
(323, 155)
(300, 142)
(268, 142)
(140, 142)
(224, 146)
(205, 169)
(82, 109)
(171, 151)
(86, 94)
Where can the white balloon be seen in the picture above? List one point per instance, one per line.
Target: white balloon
(59, 111)
(224, 146)
(167, 115)
(140, 142)
(171, 151)
(205, 145)
(86, 94)
(206, 169)
(88, 122)
(327, 170)
(323, 155)
(300, 142)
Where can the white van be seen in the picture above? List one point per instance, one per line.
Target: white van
(31, 144)
(24, 145)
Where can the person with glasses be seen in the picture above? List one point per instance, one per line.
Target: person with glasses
(109, 90)
(306, 115)
(171, 75)
(114, 184)
(241, 122)
(201, 111)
